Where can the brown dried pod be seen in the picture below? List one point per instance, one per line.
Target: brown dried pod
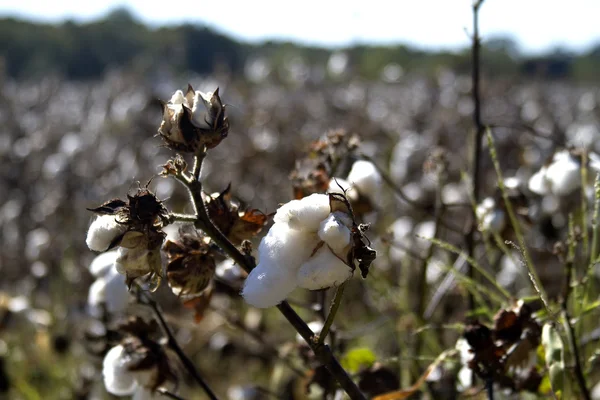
(193, 121)
(191, 265)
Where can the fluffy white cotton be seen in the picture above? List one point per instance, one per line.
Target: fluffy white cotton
(304, 214)
(338, 185)
(118, 380)
(103, 231)
(109, 290)
(491, 218)
(285, 247)
(323, 270)
(365, 177)
(561, 177)
(268, 285)
(103, 262)
(121, 381)
(334, 231)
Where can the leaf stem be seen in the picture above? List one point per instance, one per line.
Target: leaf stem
(335, 305)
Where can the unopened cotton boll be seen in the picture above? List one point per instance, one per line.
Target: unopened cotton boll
(304, 214)
(365, 178)
(324, 269)
(335, 233)
(103, 231)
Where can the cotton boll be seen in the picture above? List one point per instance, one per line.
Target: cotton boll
(304, 214)
(103, 231)
(323, 270)
(334, 232)
(118, 380)
(538, 183)
(103, 262)
(491, 218)
(338, 185)
(109, 290)
(268, 285)
(285, 247)
(365, 177)
(564, 174)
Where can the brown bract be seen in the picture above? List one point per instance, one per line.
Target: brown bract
(238, 225)
(193, 120)
(191, 265)
(514, 338)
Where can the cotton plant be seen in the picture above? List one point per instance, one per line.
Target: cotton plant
(314, 243)
(311, 245)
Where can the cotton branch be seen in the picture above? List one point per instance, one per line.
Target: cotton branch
(247, 262)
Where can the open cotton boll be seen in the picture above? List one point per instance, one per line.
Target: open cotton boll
(335, 233)
(103, 262)
(103, 231)
(323, 270)
(538, 183)
(365, 177)
(118, 380)
(285, 247)
(304, 214)
(564, 174)
(109, 290)
(268, 285)
(338, 185)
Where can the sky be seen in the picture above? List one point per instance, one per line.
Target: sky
(537, 25)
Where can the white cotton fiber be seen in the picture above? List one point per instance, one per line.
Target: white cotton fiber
(335, 233)
(365, 178)
(109, 290)
(103, 231)
(323, 270)
(338, 185)
(268, 285)
(288, 248)
(117, 378)
(304, 214)
(103, 262)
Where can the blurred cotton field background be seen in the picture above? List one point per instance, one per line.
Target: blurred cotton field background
(68, 145)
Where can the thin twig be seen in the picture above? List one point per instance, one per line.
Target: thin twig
(172, 342)
(477, 145)
(322, 352)
(335, 305)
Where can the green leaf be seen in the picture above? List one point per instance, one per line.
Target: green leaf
(358, 358)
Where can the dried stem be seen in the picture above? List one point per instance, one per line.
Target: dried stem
(172, 342)
(335, 305)
(567, 318)
(477, 145)
(247, 262)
